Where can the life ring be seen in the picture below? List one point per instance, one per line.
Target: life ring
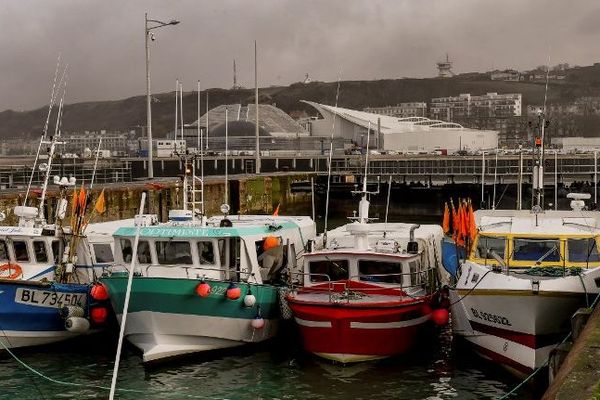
(18, 271)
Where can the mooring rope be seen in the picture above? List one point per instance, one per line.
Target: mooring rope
(87, 385)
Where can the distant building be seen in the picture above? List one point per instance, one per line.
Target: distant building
(466, 105)
(78, 142)
(573, 144)
(413, 134)
(402, 110)
(510, 75)
(445, 68)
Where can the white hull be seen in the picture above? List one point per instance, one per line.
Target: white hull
(13, 339)
(508, 319)
(165, 335)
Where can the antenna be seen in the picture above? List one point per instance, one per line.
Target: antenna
(257, 150)
(176, 109)
(207, 129)
(226, 152)
(181, 109)
(387, 206)
(45, 131)
(96, 162)
(337, 96)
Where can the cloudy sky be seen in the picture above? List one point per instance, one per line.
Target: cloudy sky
(103, 41)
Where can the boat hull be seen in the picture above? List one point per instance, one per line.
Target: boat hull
(511, 323)
(29, 312)
(347, 334)
(166, 318)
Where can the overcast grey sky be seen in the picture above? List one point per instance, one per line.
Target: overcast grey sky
(103, 41)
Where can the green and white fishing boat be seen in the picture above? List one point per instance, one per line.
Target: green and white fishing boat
(200, 287)
(202, 283)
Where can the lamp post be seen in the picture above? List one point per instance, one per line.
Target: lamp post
(148, 34)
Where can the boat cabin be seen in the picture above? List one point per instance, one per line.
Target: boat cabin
(403, 269)
(251, 252)
(520, 239)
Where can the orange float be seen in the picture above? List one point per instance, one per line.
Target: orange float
(16, 268)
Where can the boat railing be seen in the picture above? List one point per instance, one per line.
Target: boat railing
(226, 271)
(418, 284)
(309, 274)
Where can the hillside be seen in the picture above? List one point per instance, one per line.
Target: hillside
(128, 113)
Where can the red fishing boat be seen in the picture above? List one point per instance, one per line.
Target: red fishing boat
(369, 289)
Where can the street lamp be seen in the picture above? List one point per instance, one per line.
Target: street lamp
(148, 34)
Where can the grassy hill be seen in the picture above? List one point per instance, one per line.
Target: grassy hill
(131, 112)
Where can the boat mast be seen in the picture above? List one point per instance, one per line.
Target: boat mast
(45, 131)
(539, 184)
(53, 144)
(337, 96)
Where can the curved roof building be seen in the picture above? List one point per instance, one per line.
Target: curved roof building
(411, 134)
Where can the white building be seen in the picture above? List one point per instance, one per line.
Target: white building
(577, 143)
(414, 134)
(169, 148)
(466, 105)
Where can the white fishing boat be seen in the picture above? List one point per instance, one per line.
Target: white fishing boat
(526, 273)
(47, 271)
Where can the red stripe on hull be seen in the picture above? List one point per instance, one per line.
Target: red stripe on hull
(501, 359)
(526, 339)
(341, 338)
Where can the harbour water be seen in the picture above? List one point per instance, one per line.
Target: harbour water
(440, 368)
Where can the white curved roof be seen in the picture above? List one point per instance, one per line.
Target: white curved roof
(389, 124)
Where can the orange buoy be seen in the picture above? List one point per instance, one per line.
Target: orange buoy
(14, 270)
(98, 315)
(440, 317)
(99, 292)
(270, 242)
(233, 292)
(203, 289)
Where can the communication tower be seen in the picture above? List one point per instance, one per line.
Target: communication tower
(445, 68)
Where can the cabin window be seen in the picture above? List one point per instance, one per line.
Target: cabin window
(56, 251)
(20, 249)
(39, 249)
(583, 250)
(3, 251)
(491, 248)
(174, 252)
(380, 271)
(103, 253)
(536, 249)
(143, 251)
(334, 269)
(206, 254)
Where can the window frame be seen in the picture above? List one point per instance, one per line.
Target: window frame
(35, 254)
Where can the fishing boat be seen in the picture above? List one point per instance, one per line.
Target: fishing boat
(47, 270)
(367, 289)
(203, 283)
(526, 273)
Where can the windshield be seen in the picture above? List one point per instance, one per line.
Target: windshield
(536, 249)
(380, 271)
(334, 269)
(489, 247)
(583, 250)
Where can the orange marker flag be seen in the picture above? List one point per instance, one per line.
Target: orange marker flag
(100, 206)
(276, 212)
(446, 220)
(81, 200)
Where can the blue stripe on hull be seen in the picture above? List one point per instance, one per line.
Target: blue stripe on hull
(29, 317)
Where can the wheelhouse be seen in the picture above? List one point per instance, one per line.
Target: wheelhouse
(404, 270)
(520, 250)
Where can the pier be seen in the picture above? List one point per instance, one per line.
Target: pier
(427, 168)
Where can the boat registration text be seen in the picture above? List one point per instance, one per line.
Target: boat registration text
(44, 298)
